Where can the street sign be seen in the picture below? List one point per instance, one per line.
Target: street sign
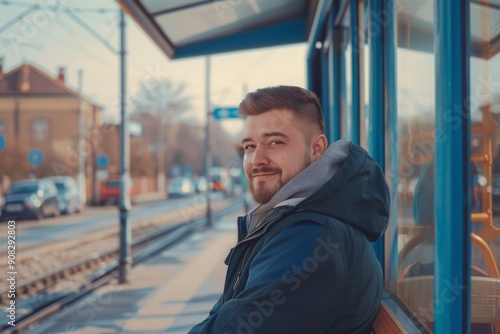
(220, 113)
(101, 174)
(2, 142)
(188, 170)
(175, 170)
(35, 157)
(102, 161)
(135, 128)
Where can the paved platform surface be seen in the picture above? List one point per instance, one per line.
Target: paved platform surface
(169, 293)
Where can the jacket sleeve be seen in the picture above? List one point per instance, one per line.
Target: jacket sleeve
(295, 285)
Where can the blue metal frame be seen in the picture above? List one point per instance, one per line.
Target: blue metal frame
(334, 73)
(391, 132)
(377, 82)
(344, 107)
(318, 23)
(452, 263)
(355, 72)
(325, 93)
(376, 105)
(310, 69)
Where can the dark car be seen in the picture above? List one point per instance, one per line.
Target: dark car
(180, 187)
(68, 194)
(31, 199)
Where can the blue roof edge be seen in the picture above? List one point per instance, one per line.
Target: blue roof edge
(286, 32)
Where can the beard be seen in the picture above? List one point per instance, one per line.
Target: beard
(261, 191)
(262, 194)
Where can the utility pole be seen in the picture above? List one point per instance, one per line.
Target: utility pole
(125, 262)
(208, 156)
(244, 182)
(82, 184)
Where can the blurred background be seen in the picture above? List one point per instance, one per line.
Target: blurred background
(60, 99)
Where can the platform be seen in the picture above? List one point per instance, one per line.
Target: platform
(169, 293)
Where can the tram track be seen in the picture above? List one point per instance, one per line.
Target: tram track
(101, 267)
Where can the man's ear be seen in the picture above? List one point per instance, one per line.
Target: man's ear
(319, 146)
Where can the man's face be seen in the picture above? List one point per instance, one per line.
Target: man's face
(277, 147)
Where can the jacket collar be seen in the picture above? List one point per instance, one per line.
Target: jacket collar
(271, 217)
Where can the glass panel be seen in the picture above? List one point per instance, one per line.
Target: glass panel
(345, 115)
(411, 253)
(364, 111)
(222, 18)
(485, 159)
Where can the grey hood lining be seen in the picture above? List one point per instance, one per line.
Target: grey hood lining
(305, 183)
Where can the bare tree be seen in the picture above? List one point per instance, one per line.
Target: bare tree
(165, 101)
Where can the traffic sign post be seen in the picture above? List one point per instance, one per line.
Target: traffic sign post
(222, 113)
(2, 142)
(35, 157)
(102, 161)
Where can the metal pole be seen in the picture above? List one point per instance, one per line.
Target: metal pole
(244, 182)
(208, 157)
(81, 154)
(125, 234)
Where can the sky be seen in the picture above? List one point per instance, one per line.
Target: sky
(50, 38)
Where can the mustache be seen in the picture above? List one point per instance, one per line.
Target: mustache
(265, 170)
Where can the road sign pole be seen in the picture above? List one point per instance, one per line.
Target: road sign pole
(35, 158)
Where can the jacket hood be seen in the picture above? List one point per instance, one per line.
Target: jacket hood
(344, 183)
(357, 194)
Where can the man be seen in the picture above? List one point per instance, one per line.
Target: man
(303, 262)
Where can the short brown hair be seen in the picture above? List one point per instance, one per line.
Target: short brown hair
(304, 104)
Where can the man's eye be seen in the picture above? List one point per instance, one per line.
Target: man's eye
(276, 142)
(247, 147)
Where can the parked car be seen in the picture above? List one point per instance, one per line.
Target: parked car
(2, 204)
(68, 194)
(31, 199)
(181, 187)
(201, 184)
(110, 191)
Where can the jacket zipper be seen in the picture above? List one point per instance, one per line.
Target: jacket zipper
(249, 237)
(241, 269)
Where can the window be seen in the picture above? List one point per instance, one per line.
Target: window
(40, 130)
(410, 257)
(364, 109)
(346, 79)
(484, 104)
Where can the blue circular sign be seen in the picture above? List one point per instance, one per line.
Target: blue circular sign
(102, 161)
(35, 157)
(2, 142)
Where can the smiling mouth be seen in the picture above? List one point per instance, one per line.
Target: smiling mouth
(261, 176)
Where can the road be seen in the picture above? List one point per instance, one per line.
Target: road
(31, 233)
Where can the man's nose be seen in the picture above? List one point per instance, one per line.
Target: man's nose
(260, 156)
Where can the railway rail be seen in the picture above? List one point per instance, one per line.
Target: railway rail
(100, 268)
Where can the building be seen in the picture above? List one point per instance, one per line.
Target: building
(40, 112)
